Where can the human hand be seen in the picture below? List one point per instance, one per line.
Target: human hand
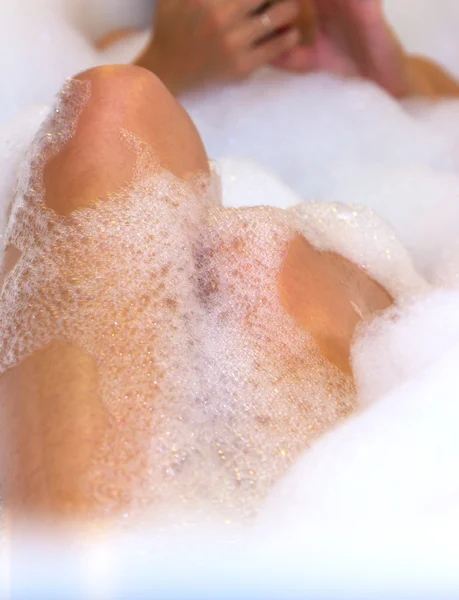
(351, 38)
(201, 41)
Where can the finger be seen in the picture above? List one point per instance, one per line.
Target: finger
(307, 20)
(274, 48)
(281, 15)
(357, 11)
(234, 12)
(255, 7)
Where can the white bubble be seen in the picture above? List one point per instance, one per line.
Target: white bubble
(392, 468)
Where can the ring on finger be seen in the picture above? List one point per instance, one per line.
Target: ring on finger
(266, 21)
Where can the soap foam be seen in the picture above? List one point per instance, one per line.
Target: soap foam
(205, 377)
(338, 142)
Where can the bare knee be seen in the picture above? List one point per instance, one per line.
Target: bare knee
(328, 296)
(96, 162)
(129, 97)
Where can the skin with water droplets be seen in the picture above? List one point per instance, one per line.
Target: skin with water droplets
(211, 389)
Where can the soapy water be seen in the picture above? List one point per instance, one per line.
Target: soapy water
(381, 491)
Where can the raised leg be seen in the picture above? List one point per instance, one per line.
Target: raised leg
(54, 424)
(52, 417)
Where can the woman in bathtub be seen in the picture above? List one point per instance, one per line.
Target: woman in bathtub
(158, 350)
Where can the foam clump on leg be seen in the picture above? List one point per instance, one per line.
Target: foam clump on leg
(212, 389)
(400, 345)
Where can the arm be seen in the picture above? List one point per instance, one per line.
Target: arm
(202, 42)
(352, 38)
(428, 79)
